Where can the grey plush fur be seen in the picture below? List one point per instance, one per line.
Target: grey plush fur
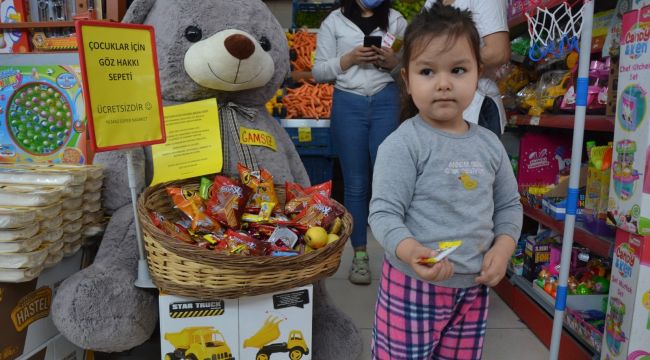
(100, 308)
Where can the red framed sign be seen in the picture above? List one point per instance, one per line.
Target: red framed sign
(119, 69)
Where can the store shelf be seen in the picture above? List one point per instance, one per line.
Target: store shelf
(34, 25)
(527, 287)
(565, 121)
(599, 245)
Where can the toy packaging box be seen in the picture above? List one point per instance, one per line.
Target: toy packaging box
(25, 314)
(629, 193)
(627, 325)
(542, 158)
(42, 114)
(13, 40)
(270, 326)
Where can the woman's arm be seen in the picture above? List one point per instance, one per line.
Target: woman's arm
(496, 50)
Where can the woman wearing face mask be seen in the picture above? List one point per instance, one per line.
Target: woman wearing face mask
(365, 106)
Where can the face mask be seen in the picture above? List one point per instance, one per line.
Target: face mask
(371, 4)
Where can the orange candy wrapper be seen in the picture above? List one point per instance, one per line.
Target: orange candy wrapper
(227, 201)
(191, 204)
(261, 183)
(298, 198)
(320, 212)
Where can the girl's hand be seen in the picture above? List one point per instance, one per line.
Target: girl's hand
(386, 58)
(411, 251)
(357, 56)
(496, 260)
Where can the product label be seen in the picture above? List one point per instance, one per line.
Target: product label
(256, 138)
(191, 309)
(625, 259)
(32, 307)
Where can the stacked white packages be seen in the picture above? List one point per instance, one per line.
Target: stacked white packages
(45, 212)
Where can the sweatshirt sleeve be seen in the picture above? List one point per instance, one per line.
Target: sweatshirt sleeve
(327, 64)
(508, 212)
(393, 184)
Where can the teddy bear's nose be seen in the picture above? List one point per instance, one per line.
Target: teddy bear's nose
(239, 46)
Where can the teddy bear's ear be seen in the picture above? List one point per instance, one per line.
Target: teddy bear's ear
(138, 11)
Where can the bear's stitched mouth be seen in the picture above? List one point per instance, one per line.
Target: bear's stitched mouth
(235, 83)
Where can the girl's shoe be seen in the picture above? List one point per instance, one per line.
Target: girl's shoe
(360, 271)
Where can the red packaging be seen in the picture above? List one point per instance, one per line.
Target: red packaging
(320, 212)
(226, 204)
(298, 197)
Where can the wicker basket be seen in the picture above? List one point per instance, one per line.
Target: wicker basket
(183, 269)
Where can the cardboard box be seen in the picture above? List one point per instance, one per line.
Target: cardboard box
(627, 325)
(612, 87)
(45, 114)
(537, 254)
(279, 323)
(25, 309)
(542, 158)
(13, 40)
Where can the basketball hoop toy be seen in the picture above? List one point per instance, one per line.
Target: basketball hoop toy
(555, 32)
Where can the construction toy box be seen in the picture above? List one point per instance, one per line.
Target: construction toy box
(27, 328)
(627, 325)
(13, 40)
(42, 114)
(269, 326)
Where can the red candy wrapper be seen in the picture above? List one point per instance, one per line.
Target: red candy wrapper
(320, 212)
(261, 183)
(298, 197)
(226, 204)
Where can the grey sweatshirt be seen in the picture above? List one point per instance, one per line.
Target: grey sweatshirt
(435, 186)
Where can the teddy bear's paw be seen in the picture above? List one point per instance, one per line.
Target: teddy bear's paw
(99, 308)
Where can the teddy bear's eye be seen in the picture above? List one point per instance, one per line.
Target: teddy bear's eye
(265, 43)
(193, 34)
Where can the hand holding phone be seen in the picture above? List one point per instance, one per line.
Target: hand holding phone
(372, 40)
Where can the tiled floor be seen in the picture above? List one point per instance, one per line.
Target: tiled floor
(507, 337)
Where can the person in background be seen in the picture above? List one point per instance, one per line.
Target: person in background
(440, 178)
(490, 17)
(365, 104)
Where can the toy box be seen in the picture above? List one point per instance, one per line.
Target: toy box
(629, 194)
(42, 114)
(25, 310)
(537, 254)
(13, 40)
(627, 325)
(270, 326)
(542, 158)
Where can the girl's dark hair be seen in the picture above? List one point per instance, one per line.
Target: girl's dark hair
(352, 11)
(438, 20)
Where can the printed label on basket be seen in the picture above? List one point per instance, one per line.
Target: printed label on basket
(192, 309)
(32, 307)
(295, 298)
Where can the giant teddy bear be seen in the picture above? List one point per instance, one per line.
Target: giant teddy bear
(232, 50)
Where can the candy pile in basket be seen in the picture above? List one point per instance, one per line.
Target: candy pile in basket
(46, 211)
(245, 217)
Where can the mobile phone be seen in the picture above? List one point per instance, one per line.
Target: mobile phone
(372, 40)
(445, 250)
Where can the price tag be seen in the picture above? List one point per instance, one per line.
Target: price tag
(304, 134)
(534, 120)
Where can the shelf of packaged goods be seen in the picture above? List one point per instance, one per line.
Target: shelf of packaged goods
(565, 121)
(599, 245)
(34, 25)
(526, 287)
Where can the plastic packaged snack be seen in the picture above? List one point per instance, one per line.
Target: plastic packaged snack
(92, 196)
(92, 171)
(71, 227)
(52, 222)
(16, 217)
(29, 195)
(92, 206)
(93, 185)
(261, 184)
(21, 245)
(56, 246)
(39, 175)
(72, 215)
(24, 259)
(320, 212)
(298, 197)
(191, 204)
(49, 211)
(72, 203)
(72, 191)
(20, 233)
(227, 202)
(71, 237)
(19, 275)
(52, 235)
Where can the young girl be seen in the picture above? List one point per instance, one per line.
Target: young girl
(365, 104)
(440, 178)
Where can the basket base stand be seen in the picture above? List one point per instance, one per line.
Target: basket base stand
(144, 279)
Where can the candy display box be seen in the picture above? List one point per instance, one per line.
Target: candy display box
(42, 114)
(247, 328)
(627, 325)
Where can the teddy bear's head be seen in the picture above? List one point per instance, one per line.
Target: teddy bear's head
(234, 50)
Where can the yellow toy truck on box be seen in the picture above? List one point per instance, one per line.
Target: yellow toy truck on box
(269, 332)
(198, 343)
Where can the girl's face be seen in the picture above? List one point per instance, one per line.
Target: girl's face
(442, 80)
